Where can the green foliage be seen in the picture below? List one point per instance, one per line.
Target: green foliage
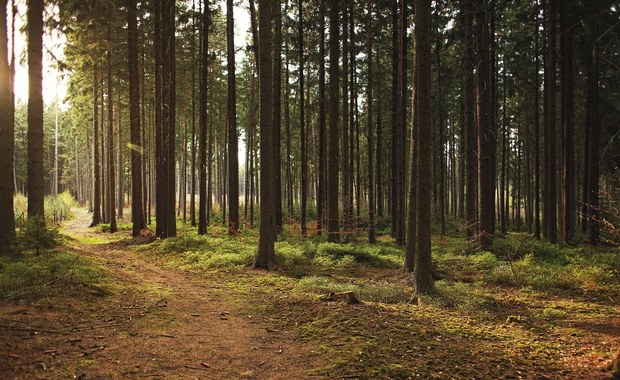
(56, 208)
(31, 276)
(36, 235)
(383, 256)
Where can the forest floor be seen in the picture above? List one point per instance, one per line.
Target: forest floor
(155, 309)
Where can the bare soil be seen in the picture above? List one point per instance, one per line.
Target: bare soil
(155, 322)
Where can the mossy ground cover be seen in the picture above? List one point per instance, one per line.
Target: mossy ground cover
(525, 309)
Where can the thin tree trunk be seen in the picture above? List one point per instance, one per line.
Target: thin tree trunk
(302, 124)
(96, 159)
(111, 180)
(322, 121)
(372, 238)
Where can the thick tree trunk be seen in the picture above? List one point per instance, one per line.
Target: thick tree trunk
(486, 137)
(265, 257)
(202, 145)
(550, 231)
(568, 103)
(36, 184)
(137, 212)
(7, 139)
(233, 162)
(277, 115)
(422, 275)
(334, 104)
(471, 150)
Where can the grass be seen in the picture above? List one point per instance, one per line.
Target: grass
(57, 271)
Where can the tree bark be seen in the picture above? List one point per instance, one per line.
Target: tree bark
(233, 161)
(203, 120)
(137, 212)
(36, 184)
(7, 139)
(422, 275)
(372, 238)
(265, 258)
(332, 154)
(486, 137)
(111, 180)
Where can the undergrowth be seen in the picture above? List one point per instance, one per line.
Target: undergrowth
(57, 271)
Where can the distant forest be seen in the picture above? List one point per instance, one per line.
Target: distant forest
(337, 117)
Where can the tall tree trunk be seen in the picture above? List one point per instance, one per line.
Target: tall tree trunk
(265, 257)
(287, 123)
(394, 135)
(202, 146)
(471, 150)
(322, 121)
(592, 200)
(277, 115)
(486, 137)
(302, 123)
(137, 212)
(233, 162)
(567, 83)
(160, 161)
(537, 225)
(550, 231)
(7, 138)
(111, 180)
(121, 175)
(332, 153)
(422, 275)
(192, 198)
(36, 184)
(169, 112)
(346, 181)
(372, 238)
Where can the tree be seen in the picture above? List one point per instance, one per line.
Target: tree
(568, 103)
(486, 135)
(550, 231)
(471, 150)
(137, 212)
(111, 180)
(321, 191)
(265, 257)
(422, 275)
(372, 238)
(203, 120)
(302, 123)
(7, 138)
(332, 153)
(96, 159)
(36, 184)
(233, 162)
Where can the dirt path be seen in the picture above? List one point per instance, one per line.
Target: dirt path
(158, 322)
